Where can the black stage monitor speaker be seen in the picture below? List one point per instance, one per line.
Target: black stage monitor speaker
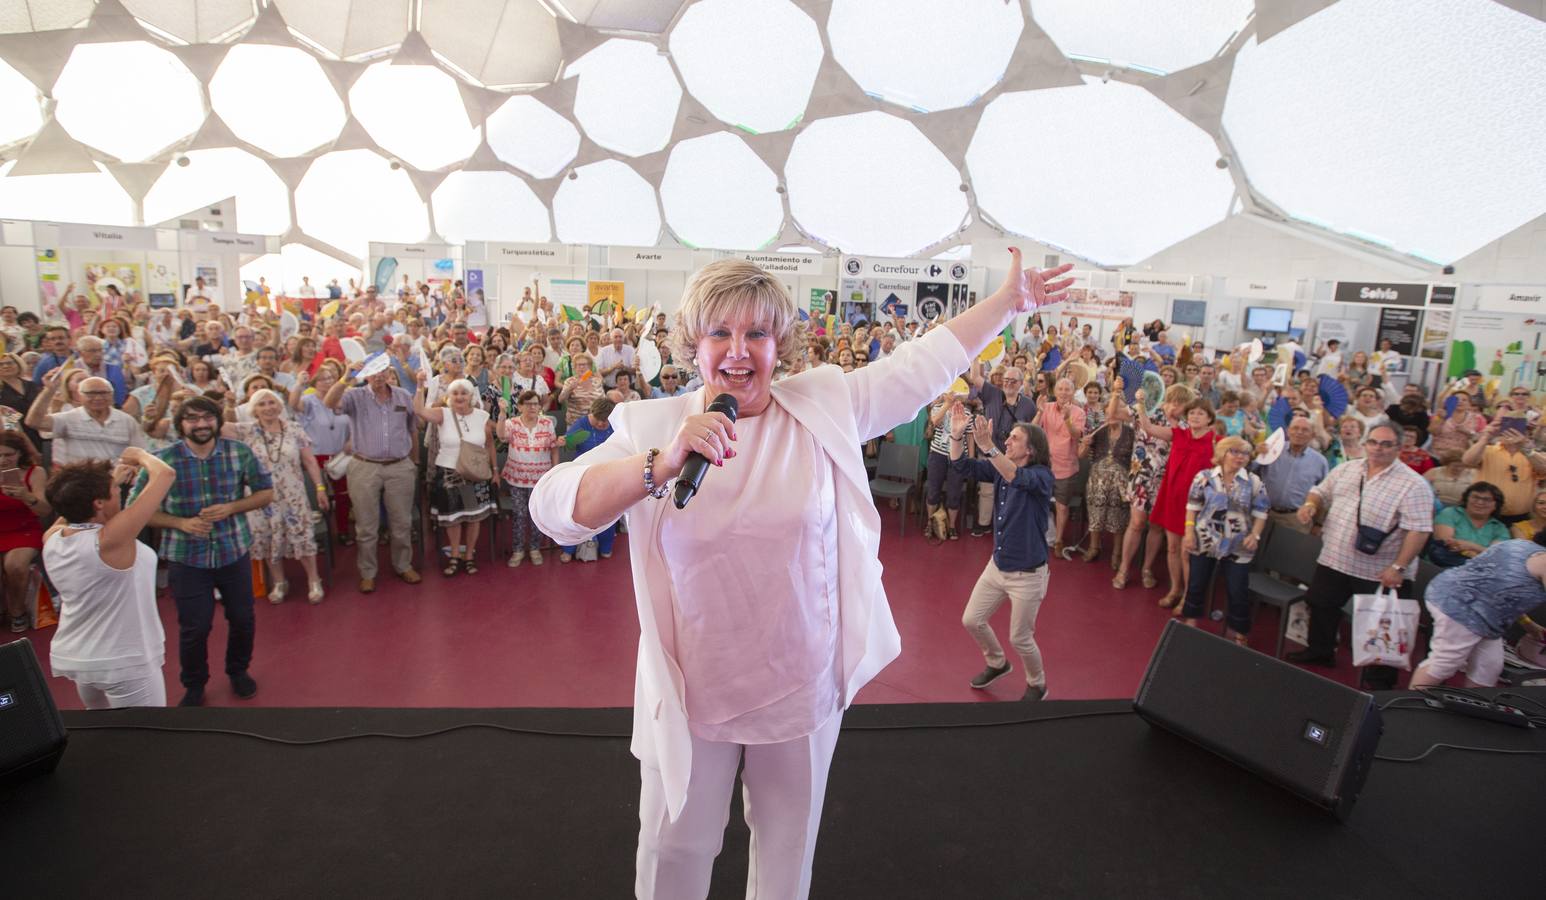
(1300, 731)
(32, 736)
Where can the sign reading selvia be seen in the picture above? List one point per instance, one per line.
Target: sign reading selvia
(671, 258)
(1382, 293)
(947, 270)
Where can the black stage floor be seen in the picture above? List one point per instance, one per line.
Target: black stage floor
(924, 801)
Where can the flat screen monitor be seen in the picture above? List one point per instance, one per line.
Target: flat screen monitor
(1189, 312)
(1263, 318)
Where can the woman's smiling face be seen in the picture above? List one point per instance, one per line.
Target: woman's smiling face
(738, 357)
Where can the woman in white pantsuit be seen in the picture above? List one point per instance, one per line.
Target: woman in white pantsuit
(761, 610)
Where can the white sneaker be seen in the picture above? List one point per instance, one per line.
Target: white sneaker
(515, 559)
(536, 557)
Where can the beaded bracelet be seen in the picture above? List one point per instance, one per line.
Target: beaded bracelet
(655, 493)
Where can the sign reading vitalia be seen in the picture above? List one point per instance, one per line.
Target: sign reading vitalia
(1381, 293)
(785, 263)
(412, 251)
(950, 271)
(222, 241)
(550, 254)
(1399, 326)
(649, 258)
(1517, 298)
(102, 237)
(1262, 288)
(1150, 283)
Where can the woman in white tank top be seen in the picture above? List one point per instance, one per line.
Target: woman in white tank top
(109, 641)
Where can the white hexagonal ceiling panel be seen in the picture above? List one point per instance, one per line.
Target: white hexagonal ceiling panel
(415, 113)
(923, 54)
(95, 198)
(718, 193)
(751, 62)
(352, 197)
(872, 183)
(528, 135)
(606, 203)
(130, 99)
(489, 206)
(277, 99)
(1156, 35)
(1417, 124)
(627, 96)
(20, 112)
(1127, 177)
(262, 200)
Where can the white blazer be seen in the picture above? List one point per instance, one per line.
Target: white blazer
(879, 397)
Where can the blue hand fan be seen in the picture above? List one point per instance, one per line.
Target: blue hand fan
(1334, 395)
(1052, 360)
(1449, 405)
(1131, 371)
(1278, 415)
(1299, 360)
(804, 316)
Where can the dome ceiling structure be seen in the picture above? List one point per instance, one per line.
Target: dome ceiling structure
(1110, 129)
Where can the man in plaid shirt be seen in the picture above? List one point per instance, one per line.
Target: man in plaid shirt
(205, 539)
(1379, 491)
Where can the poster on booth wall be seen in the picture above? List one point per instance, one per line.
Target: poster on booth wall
(962, 298)
(1399, 326)
(893, 297)
(822, 302)
(129, 278)
(605, 290)
(932, 299)
(1098, 303)
(161, 286)
(1435, 333)
(856, 300)
(1506, 349)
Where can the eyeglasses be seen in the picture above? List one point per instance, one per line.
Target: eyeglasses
(194, 419)
(1383, 445)
(96, 393)
(1239, 451)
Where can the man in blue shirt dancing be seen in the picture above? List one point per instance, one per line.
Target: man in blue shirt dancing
(1022, 504)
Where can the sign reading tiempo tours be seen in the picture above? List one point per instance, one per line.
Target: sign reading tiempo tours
(952, 271)
(1382, 294)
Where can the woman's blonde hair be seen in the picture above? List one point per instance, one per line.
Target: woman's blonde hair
(728, 286)
(1222, 448)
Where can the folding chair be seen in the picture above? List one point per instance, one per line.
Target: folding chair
(896, 476)
(1281, 573)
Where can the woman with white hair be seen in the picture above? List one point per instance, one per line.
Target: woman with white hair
(284, 528)
(458, 502)
(761, 608)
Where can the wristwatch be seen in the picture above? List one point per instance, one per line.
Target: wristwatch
(992, 452)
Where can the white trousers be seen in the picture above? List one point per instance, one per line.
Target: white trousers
(146, 689)
(783, 787)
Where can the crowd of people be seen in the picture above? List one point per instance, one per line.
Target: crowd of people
(267, 426)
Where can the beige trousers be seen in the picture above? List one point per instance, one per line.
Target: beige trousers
(368, 483)
(1024, 590)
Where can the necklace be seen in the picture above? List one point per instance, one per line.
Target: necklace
(270, 447)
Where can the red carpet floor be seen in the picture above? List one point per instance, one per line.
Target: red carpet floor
(566, 635)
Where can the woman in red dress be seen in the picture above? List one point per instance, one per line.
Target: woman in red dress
(1191, 451)
(22, 507)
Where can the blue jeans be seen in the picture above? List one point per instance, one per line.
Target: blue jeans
(604, 541)
(1236, 582)
(194, 590)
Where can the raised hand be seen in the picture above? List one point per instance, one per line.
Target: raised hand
(1028, 289)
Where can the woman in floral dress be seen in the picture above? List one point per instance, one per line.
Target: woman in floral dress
(284, 529)
(1150, 455)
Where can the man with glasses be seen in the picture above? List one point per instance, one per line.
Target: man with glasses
(1500, 455)
(94, 430)
(1395, 507)
(1003, 408)
(205, 539)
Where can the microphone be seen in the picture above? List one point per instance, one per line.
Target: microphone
(692, 473)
